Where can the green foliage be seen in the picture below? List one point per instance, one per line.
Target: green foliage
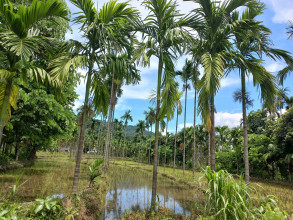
(94, 169)
(17, 185)
(4, 159)
(49, 208)
(228, 198)
(273, 213)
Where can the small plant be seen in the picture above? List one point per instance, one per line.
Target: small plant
(17, 185)
(95, 170)
(49, 208)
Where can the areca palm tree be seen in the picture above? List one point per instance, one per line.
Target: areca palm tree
(163, 34)
(178, 112)
(216, 32)
(251, 42)
(140, 130)
(122, 70)
(195, 80)
(20, 42)
(150, 117)
(126, 117)
(186, 75)
(111, 25)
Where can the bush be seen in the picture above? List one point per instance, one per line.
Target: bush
(4, 159)
(49, 208)
(228, 198)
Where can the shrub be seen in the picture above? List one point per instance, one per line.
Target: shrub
(228, 198)
(94, 170)
(49, 208)
(4, 159)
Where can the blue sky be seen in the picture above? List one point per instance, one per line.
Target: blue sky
(135, 98)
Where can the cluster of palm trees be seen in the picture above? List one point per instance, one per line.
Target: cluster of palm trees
(215, 35)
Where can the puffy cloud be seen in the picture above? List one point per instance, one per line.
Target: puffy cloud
(283, 10)
(230, 81)
(274, 67)
(231, 120)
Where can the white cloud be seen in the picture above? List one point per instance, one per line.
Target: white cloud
(122, 105)
(140, 91)
(274, 67)
(283, 10)
(229, 81)
(181, 126)
(231, 120)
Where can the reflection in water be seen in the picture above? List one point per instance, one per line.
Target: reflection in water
(131, 190)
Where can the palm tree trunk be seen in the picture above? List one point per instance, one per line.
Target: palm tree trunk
(82, 133)
(245, 136)
(4, 110)
(139, 148)
(209, 149)
(108, 135)
(212, 144)
(166, 145)
(175, 142)
(150, 143)
(99, 135)
(194, 137)
(184, 128)
(123, 152)
(111, 150)
(155, 162)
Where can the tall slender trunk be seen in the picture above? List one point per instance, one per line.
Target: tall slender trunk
(194, 137)
(111, 150)
(16, 151)
(150, 143)
(108, 135)
(245, 136)
(123, 152)
(184, 127)
(4, 109)
(209, 149)
(155, 162)
(212, 144)
(166, 146)
(82, 133)
(175, 143)
(99, 135)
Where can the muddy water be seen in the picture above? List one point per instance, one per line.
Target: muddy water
(131, 191)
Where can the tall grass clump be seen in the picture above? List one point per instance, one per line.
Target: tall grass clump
(228, 198)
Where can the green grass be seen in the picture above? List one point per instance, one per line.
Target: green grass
(48, 176)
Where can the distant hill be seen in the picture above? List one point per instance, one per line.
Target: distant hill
(130, 131)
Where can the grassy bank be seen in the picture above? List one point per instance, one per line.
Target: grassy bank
(52, 175)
